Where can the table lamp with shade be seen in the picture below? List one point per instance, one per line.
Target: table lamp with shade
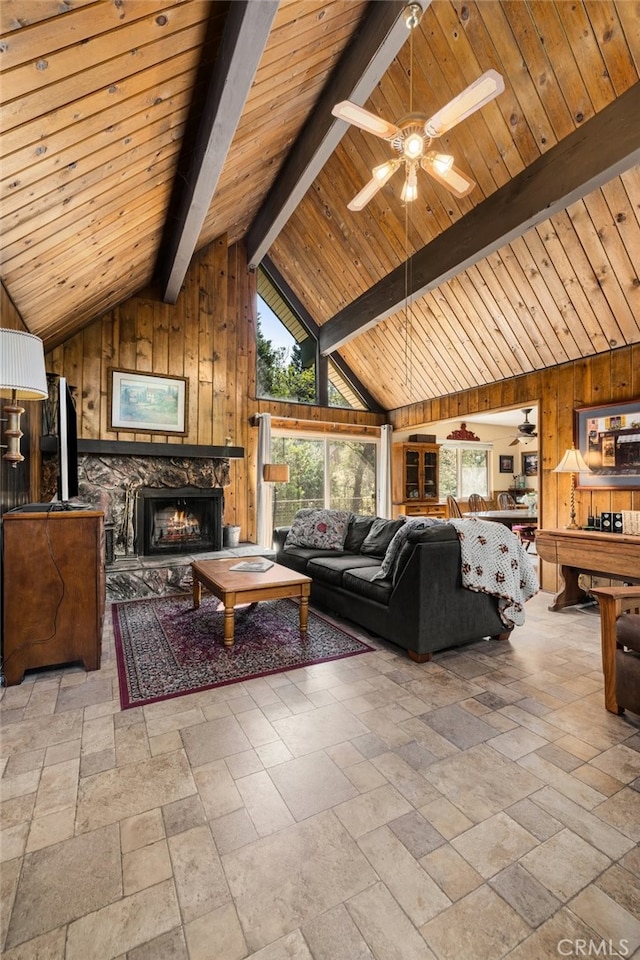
(572, 463)
(22, 377)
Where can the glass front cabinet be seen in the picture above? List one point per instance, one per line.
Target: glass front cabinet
(415, 480)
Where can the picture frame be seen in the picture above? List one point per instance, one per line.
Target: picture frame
(147, 402)
(608, 437)
(506, 463)
(530, 464)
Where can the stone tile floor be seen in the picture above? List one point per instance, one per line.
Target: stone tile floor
(480, 806)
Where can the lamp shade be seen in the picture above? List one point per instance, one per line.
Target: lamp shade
(275, 472)
(572, 462)
(22, 366)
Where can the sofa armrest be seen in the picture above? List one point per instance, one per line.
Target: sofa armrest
(429, 595)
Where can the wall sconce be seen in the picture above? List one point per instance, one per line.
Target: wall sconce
(572, 463)
(22, 377)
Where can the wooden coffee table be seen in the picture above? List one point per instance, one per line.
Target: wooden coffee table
(235, 587)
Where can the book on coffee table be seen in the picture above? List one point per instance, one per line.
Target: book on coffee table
(259, 565)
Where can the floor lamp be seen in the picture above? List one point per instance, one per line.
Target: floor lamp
(22, 377)
(572, 463)
(275, 473)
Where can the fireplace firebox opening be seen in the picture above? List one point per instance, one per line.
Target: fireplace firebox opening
(184, 520)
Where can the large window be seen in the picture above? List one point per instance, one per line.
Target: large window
(333, 472)
(464, 469)
(287, 355)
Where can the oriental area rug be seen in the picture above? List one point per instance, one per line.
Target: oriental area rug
(165, 648)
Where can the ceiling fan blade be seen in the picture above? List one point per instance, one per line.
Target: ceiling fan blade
(367, 193)
(453, 179)
(481, 91)
(359, 117)
(381, 175)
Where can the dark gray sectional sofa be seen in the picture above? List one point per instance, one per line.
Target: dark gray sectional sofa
(420, 605)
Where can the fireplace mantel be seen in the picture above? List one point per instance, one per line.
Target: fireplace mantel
(127, 448)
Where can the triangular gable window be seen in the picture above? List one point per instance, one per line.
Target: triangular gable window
(287, 355)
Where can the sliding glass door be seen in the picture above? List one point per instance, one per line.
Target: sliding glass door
(333, 472)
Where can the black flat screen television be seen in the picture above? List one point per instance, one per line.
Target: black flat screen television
(67, 443)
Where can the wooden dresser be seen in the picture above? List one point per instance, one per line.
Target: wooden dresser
(53, 590)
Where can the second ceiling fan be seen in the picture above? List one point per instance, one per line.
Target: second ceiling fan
(526, 430)
(412, 137)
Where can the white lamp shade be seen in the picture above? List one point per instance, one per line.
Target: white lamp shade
(572, 462)
(22, 366)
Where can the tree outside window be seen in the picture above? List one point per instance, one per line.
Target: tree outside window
(464, 470)
(329, 472)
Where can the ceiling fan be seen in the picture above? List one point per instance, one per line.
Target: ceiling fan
(412, 136)
(526, 430)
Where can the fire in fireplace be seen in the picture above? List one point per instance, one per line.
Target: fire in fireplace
(186, 520)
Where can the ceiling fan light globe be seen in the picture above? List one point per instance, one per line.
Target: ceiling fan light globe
(385, 171)
(441, 161)
(410, 188)
(413, 146)
(454, 180)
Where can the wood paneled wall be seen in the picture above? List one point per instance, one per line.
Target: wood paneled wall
(611, 377)
(208, 336)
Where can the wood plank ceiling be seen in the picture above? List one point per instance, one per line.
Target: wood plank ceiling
(100, 101)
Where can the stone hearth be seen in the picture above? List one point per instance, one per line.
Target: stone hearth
(131, 578)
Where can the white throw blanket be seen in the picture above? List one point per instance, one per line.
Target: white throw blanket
(494, 561)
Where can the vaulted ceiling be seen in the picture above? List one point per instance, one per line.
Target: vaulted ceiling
(135, 133)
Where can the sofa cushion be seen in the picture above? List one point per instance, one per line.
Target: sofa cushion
(331, 569)
(380, 536)
(388, 568)
(361, 582)
(359, 527)
(297, 558)
(326, 529)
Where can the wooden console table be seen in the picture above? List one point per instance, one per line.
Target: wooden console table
(587, 551)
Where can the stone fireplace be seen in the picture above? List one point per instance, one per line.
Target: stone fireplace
(176, 521)
(170, 494)
(121, 486)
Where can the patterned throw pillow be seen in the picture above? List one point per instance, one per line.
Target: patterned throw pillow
(324, 529)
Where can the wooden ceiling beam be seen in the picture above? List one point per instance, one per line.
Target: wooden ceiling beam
(602, 148)
(367, 57)
(245, 34)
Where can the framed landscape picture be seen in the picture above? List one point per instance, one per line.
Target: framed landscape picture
(506, 463)
(530, 464)
(147, 402)
(608, 438)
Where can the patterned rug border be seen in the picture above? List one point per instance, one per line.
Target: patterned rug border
(127, 704)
